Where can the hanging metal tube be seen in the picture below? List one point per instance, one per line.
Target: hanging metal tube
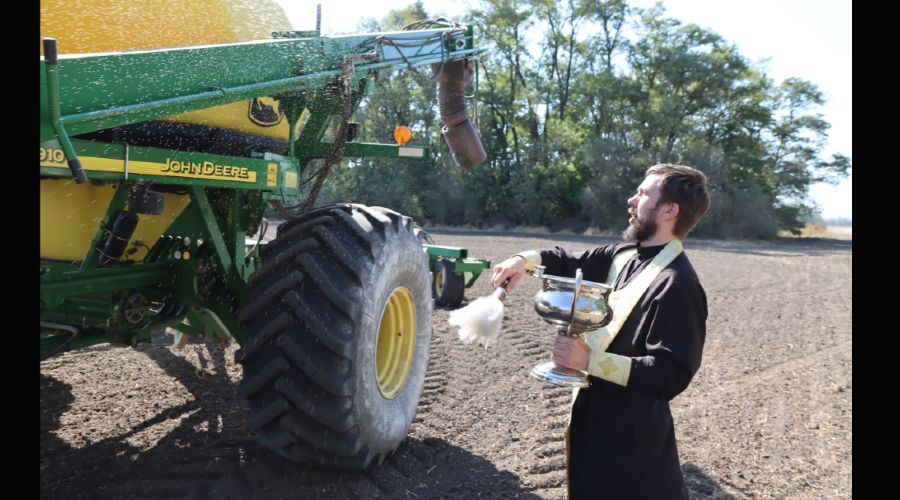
(459, 132)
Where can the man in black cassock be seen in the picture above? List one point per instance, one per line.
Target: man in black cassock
(621, 438)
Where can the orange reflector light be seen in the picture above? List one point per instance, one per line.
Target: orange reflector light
(185, 255)
(402, 135)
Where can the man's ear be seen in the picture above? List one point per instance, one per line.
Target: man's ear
(671, 211)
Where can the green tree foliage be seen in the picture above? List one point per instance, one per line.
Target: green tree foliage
(576, 99)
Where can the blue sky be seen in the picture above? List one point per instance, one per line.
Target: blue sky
(810, 39)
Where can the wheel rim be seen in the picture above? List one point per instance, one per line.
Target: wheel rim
(396, 343)
(439, 283)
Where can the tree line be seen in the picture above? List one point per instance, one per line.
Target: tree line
(576, 98)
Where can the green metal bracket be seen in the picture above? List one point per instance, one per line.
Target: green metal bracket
(435, 251)
(237, 221)
(55, 288)
(232, 266)
(471, 265)
(364, 149)
(50, 62)
(52, 342)
(118, 202)
(469, 269)
(212, 228)
(201, 322)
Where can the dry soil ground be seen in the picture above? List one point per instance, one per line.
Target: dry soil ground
(768, 414)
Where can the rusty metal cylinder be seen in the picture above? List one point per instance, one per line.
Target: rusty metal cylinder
(465, 145)
(459, 131)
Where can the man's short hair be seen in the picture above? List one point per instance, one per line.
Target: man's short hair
(685, 186)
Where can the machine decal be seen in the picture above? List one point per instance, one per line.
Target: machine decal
(52, 157)
(272, 175)
(265, 112)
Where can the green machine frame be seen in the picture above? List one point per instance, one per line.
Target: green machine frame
(469, 269)
(314, 78)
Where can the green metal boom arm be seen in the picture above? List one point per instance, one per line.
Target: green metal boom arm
(156, 83)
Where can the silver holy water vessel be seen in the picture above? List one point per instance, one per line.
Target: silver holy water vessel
(575, 306)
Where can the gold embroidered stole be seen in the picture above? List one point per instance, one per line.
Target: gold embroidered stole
(622, 302)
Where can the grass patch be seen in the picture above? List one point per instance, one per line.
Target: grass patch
(810, 230)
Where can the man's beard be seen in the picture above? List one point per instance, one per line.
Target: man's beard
(643, 228)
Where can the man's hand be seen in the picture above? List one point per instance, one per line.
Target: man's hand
(571, 352)
(513, 269)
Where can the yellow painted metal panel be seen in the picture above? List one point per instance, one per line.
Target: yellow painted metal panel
(92, 26)
(70, 215)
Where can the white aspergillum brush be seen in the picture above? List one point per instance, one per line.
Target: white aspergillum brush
(482, 319)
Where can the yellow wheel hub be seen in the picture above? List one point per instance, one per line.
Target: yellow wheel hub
(396, 343)
(439, 283)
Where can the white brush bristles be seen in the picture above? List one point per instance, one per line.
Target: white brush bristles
(479, 321)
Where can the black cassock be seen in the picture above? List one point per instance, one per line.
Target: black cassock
(622, 439)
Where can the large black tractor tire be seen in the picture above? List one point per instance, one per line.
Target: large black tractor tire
(338, 330)
(447, 287)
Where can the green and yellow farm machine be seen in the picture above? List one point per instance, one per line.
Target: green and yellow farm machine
(159, 155)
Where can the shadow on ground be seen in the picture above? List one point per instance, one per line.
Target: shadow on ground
(210, 454)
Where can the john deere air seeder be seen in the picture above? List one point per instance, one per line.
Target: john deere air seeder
(157, 164)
